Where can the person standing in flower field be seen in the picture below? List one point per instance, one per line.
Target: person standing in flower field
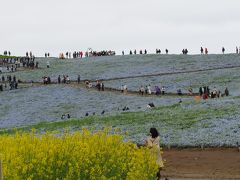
(48, 64)
(153, 142)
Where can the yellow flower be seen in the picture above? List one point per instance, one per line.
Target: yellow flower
(82, 155)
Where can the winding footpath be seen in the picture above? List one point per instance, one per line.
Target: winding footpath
(106, 89)
(170, 73)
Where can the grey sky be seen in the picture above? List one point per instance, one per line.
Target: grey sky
(66, 25)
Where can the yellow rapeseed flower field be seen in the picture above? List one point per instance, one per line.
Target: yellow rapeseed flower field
(81, 155)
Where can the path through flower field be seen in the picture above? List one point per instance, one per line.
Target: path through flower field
(214, 163)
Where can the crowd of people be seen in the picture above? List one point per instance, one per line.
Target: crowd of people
(147, 90)
(65, 79)
(80, 54)
(100, 86)
(47, 55)
(46, 80)
(135, 52)
(11, 68)
(9, 64)
(204, 50)
(9, 81)
(12, 64)
(206, 93)
(100, 53)
(77, 54)
(185, 51)
(66, 116)
(8, 60)
(29, 62)
(7, 53)
(90, 52)
(158, 51)
(69, 55)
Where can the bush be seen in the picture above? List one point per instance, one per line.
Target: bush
(82, 155)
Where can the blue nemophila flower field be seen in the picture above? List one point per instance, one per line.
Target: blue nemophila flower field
(193, 122)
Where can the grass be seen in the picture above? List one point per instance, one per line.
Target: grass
(174, 121)
(177, 116)
(2, 56)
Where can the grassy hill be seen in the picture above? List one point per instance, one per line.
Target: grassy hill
(214, 122)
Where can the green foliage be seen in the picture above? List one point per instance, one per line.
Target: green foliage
(1, 56)
(178, 116)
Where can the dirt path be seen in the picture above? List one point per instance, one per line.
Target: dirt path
(171, 73)
(107, 89)
(202, 164)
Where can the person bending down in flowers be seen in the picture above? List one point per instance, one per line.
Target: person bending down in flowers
(153, 142)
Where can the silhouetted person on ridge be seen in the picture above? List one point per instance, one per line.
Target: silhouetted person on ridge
(201, 50)
(223, 50)
(158, 51)
(183, 51)
(206, 51)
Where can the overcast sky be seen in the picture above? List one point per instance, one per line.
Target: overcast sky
(66, 25)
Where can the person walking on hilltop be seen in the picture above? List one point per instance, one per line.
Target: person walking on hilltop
(201, 50)
(206, 51)
(223, 50)
(236, 50)
(166, 50)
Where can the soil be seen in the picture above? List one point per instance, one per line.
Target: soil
(211, 163)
